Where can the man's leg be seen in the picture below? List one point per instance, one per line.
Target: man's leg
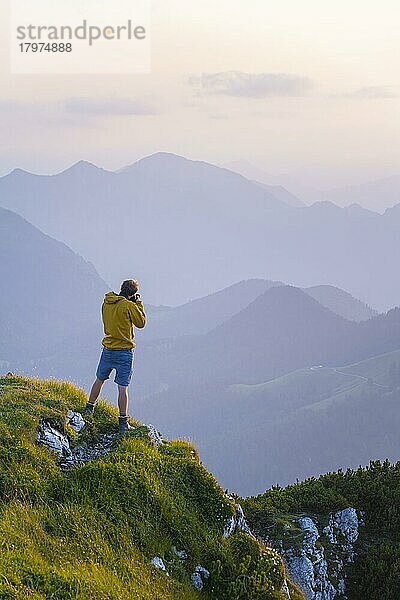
(123, 409)
(94, 394)
(124, 368)
(123, 400)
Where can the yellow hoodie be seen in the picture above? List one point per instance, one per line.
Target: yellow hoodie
(120, 317)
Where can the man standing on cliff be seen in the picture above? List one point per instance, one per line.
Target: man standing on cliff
(121, 314)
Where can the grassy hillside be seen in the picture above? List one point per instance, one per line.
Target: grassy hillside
(375, 490)
(91, 531)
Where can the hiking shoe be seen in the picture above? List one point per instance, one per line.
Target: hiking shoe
(89, 408)
(123, 425)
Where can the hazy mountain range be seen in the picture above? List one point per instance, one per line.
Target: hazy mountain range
(239, 369)
(187, 228)
(376, 195)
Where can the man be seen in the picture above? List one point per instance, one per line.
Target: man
(121, 314)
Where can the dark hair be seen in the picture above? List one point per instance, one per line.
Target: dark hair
(129, 288)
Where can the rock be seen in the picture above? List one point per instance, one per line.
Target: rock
(197, 581)
(230, 526)
(321, 572)
(154, 436)
(237, 522)
(54, 440)
(302, 572)
(159, 564)
(346, 521)
(84, 453)
(58, 442)
(75, 420)
(200, 574)
(285, 590)
(203, 572)
(312, 534)
(241, 522)
(182, 554)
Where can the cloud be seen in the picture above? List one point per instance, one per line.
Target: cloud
(113, 107)
(376, 91)
(249, 85)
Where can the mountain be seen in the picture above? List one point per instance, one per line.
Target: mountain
(272, 182)
(342, 303)
(50, 292)
(161, 220)
(280, 193)
(282, 330)
(185, 228)
(204, 314)
(249, 332)
(177, 341)
(111, 517)
(377, 195)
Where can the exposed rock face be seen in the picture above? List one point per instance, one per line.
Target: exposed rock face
(237, 522)
(84, 452)
(318, 563)
(58, 442)
(54, 440)
(344, 522)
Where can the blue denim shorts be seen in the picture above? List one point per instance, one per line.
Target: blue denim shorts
(121, 361)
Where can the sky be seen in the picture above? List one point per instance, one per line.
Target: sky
(310, 89)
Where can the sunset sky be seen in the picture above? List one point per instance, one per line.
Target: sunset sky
(309, 89)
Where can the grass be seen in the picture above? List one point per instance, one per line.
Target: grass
(91, 531)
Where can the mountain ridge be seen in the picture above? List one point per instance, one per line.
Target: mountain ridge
(229, 227)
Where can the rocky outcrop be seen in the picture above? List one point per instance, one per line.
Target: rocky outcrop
(237, 522)
(70, 456)
(317, 555)
(56, 441)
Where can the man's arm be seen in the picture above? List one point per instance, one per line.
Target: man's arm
(137, 313)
